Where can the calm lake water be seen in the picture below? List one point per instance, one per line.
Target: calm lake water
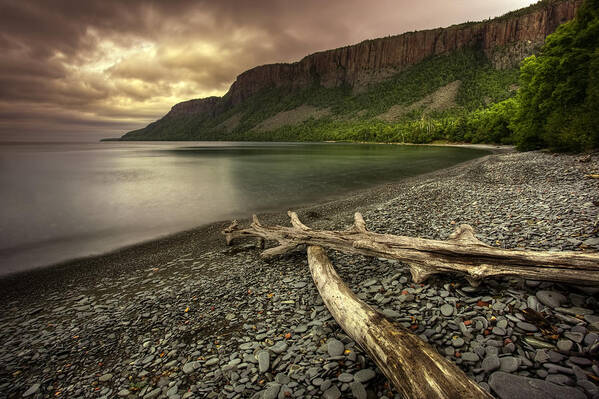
(65, 200)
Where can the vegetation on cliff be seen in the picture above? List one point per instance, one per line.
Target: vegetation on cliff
(558, 102)
(552, 101)
(356, 116)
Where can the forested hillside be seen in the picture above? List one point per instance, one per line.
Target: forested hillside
(460, 96)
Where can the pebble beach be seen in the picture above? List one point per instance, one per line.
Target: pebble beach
(188, 317)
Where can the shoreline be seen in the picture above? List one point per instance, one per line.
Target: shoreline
(180, 321)
(198, 239)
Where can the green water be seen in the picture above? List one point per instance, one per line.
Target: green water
(72, 199)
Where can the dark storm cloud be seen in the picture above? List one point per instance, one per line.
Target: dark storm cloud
(100, 64)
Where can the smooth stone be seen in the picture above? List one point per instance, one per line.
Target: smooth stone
(263, 361)
(457, 342)
(510, 386)
(532, 302)
(302, 328)
(446, 310)
(581, 361)
(470, 357)
(300, 284)
(555, 357)
(509, 364)
(123, 392)
(358, 391)
(282, 379)
(390, 313)
(564, 345)
(335, 347)
(153, 394)
(491, 363)
(33, 389)
(591, 318)
(369, 282)
(526, 326)
(105, 377)
(541, 373)
(332, 393)
(285, 392)
(574, 336)
(509, 348)
(502, 323)
(279, 347)
(552, 299)
(575, 311)
(364, 375)
(271, 392)
(345, 377)
(592, 242)
(498, 330)
(591, 338)
(556, 368)
(211, 362)
(326, 384)
(589, 387)
(560, 379)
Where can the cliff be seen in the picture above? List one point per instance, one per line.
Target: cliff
(373, 60)
(505, 41)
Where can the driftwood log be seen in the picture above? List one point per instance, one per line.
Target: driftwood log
(462, 253)
(414, 367)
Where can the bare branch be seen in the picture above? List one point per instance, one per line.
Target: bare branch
(295, 222)
(462, 253)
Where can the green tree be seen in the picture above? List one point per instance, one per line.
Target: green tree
(559, 88)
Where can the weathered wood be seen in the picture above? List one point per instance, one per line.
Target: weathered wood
(415, 368)
(462, 253)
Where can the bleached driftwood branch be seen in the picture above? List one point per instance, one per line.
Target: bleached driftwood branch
(462, 253)
(414, 367)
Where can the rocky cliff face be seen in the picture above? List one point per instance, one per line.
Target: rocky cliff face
(506, 40)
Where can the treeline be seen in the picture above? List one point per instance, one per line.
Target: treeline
(557, 105)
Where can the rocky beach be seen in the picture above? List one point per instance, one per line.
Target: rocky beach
(188, 317)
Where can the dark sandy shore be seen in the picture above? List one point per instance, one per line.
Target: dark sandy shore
(186, 317)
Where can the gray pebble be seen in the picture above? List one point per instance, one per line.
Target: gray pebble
(552, 299)
(470, 357)
(33, 389)
(271, 392)
(508, 364)
(335, 347)
(358, 391)
(446, 310)
(364, 375)
(564, 345)
(491, 363)
(509, 386)
(332, 393)
(526, 326)
(263, 361)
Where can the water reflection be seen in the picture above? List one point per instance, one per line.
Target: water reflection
(65, 200)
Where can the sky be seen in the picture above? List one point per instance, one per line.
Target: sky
(84, 70)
